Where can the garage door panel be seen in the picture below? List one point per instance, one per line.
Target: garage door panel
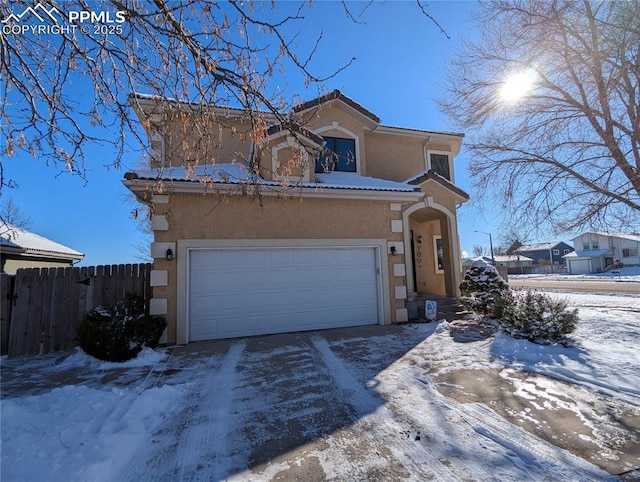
(238, 292)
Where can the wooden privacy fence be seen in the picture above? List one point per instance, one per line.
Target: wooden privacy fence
(47, 305)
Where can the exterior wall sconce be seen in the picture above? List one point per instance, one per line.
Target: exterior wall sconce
(420, 239)
(393, 250)
(169, 255)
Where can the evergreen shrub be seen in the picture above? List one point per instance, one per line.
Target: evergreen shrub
(119, 334)
(481, 287)
(536, 316)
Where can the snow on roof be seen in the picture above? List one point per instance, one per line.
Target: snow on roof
(629, 236)
(344, 180)
(231, 172)
(513, 257)
(587, 253)
(539, 246)
(16, 238)
(486, 259)
(236, 173)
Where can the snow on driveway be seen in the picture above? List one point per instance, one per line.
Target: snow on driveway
(370, 403)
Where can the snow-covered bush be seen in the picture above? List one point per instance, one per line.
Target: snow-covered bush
(481, 287)
(118, 334)
(536, 316)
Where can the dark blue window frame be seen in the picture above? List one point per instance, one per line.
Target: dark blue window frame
(339, 154)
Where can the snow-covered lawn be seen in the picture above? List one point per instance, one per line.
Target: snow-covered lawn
(359, 404)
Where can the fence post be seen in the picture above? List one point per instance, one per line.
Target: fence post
(6, 304)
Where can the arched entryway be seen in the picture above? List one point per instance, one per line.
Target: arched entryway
(433, 257)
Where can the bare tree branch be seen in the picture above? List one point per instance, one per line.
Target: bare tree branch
(564, 154)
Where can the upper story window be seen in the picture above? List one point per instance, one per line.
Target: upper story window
(440, 164)
(595, 244)
(556, 252)
(567, 251)
(585, 246)
(339, 154)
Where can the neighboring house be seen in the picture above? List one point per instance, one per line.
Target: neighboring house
(515, 264)
(308, 237)
(545, 254)
(22, 249)
(468, 262)
(499, 262)
(596, 252)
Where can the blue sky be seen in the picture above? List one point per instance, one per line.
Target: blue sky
(400, 62)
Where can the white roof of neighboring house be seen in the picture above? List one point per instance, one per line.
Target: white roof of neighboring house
(629, 236)
(539, 246)
(509, 258)
(20, 240)
(587, 253)
(486, 259)
(236, 173)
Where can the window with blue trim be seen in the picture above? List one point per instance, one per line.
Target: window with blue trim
(338, 155)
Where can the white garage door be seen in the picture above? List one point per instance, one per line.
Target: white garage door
(240, 292)
(580, 266)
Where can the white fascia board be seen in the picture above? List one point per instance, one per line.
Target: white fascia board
(188, 187)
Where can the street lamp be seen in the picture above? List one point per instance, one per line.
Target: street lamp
(493, 260)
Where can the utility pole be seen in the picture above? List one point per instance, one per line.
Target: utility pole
(493, 259)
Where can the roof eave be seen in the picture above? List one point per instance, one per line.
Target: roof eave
(271, 190)
(41, 253)
(430, 176)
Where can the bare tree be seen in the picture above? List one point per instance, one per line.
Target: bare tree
(12, 214)
(551, 95)
(68, 84)
(478, 250)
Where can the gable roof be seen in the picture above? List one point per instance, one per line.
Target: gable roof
(588, 253)
(17, 240)
(295, 127)
(431, 175)
(333, 96)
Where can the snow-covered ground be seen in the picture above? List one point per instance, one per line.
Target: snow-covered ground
(154, 417)
(628, 274)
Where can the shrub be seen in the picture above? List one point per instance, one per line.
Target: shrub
(118, 334)
(536, 316)
(481, 287)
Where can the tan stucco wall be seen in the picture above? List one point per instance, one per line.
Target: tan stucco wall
(12, 265)
(186, 139)
(427, 279)
(441, 195)
(195, 217)
(395, 158)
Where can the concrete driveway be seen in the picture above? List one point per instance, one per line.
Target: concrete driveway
(366, 403)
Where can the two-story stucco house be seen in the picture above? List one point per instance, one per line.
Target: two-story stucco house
(334, 220)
